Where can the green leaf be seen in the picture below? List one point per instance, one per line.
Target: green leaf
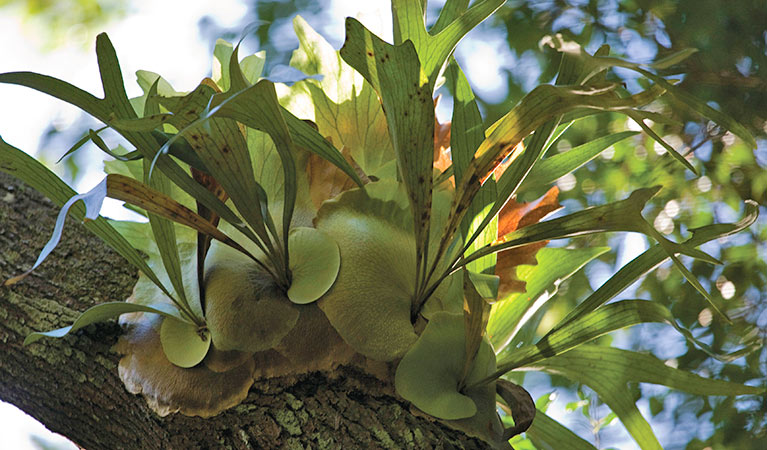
(395, 73)
(521, 164)
(486, 285)
(542, 280)
(307, 137)
(609, 370)
(257, 107)
(671, 150)
(82, 141)
(598, 63)
(250, 68)
(550, 169)
(219, 143)
(466, 136)
(548, 434)
(653, 257)
(102, 312)
(237, 77)
(542, 106)
(608, 318)
(624, 215)
(129, 190)
(314, 263)
(434, 50)
(184, 344)
(222, 54)
(430, 374)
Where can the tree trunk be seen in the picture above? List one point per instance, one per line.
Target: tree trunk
(71, 385)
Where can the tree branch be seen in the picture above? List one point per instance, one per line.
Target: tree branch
(71, 385)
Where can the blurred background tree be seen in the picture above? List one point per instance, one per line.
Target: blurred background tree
(57, 21)
(503, 60)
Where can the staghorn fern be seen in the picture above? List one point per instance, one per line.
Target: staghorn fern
(335, 221)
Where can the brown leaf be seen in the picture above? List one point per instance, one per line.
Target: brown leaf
(512, 217)
(326, 180)
(520, 404)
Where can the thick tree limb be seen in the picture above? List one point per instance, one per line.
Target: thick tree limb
(71, 385)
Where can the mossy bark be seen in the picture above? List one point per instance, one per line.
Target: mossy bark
(71, 385)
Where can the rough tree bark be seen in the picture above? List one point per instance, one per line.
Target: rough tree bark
(71, 385)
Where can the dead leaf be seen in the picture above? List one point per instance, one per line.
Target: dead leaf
(512, 217)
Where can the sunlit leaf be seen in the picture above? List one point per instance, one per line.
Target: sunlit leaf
(520, 159)
(624, 215)
(346, 108)
(468, 135)
(553, 266)
(554, 167)
(544, 104)
(434, 49)
(608, 318)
